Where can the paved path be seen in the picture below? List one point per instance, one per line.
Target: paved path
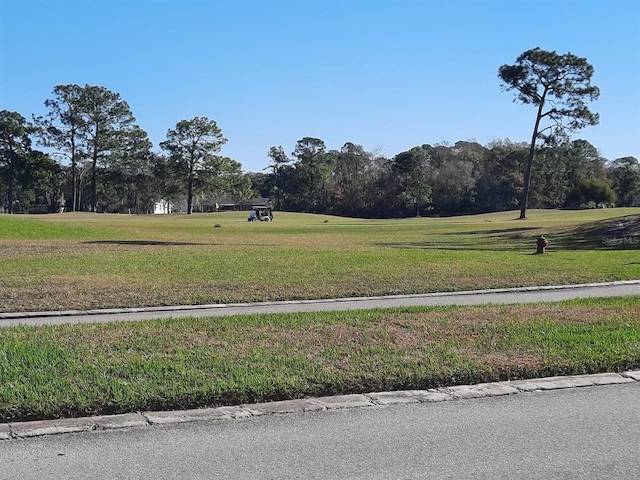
(477, 297)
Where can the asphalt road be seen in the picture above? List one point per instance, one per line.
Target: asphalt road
(500, 296)
(576, 433)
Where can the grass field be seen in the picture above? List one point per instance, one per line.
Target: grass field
(71, 370)
(86, 261)
(76, 261)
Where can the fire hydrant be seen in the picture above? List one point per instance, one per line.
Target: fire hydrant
(541, 243)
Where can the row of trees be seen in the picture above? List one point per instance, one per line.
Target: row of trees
(468, 177)
(99, 159)
(465, 177)
(444, 179)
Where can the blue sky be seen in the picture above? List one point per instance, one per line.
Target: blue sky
(388, 75)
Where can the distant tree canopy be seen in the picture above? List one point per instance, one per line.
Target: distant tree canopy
(192, 148)
(87, 125)
(463, 178)
(278, 160)
(27, 176)
(97, 158)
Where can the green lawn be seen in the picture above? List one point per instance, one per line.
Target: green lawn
(71, 370)
(85, 261)
(76, 261)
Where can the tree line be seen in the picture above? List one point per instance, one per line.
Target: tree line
(116, 169)
(462, 178)
(98, 159)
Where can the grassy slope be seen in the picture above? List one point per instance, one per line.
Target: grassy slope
(82, 261)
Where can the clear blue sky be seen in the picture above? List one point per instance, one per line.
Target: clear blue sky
(388, 75)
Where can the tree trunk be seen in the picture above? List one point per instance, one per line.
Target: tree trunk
(12, 161)
(74, 181)
(94, 194)
(278, 207)
(532, 151)
(74, 175)
(190, 196)
(527, 180)
(10, 186)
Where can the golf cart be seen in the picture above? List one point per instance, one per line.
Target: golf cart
(260, 214)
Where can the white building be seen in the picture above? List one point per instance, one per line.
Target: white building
(162, 207)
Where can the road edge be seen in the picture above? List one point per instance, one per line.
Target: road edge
(38, 428)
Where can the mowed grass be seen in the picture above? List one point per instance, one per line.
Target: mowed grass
(86, 261)
(87, 369)
(79, 261)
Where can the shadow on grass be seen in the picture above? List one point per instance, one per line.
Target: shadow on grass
(459, 246)
(512, 239)
(613, 234)
(143, 243)
(520, 231)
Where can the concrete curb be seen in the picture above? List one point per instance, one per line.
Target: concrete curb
(221, 306)
(17, 430)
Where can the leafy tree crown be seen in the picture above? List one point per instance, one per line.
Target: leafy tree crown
(559, 84)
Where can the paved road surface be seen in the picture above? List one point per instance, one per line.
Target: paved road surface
(500, 296)
(576, 433)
